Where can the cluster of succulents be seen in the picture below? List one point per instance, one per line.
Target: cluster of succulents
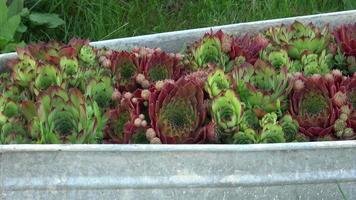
(291, 83)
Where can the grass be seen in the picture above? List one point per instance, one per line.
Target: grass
(105, 19)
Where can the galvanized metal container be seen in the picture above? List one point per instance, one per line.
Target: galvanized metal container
(318, 170)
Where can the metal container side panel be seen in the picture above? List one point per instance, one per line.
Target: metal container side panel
(280, 170)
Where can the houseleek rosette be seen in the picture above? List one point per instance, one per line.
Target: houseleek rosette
(12, 127)
(226, 110)
(46, 76)
(125, 68)
(24, 72)
(271, 132)
(100, 91)
(298, 39)
(262, 88)
(248, 47)
(64, 117)
(178, 113)
(311, 105)
(212, 49)
(157, 65)
(127, 122)
(345, 36)
(217, 82)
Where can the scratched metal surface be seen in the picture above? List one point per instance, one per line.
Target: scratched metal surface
(318, 170)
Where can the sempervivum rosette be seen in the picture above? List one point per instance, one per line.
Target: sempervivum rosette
(307, 47)
(157, 65)
(262, 88)
(101, 91)
(125, 68)
(12, 125)
(178, 113)
(312, 106)
(211, 50)
(59, 116)
(345, 36)
(216, 82)
(249, 47)
(298, 39)
(226, 111)
(126, 124)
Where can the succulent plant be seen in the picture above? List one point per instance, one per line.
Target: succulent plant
(12, 127)
(24, 72)
(87, 55)
(298, 39)
(248, 47)
(121, 122)
(262, 88)
(46, 76)
(64, 117)
(271, 132)
(217, 82)
(100, 91)
(212, 49)
(177, 112)
(290, 128)
(226, 110)
(313, 64)
(13, 132)
(277, 57)
(158, 65)
(345, 36)
(247, 136)
(125, 68)
(311, 105)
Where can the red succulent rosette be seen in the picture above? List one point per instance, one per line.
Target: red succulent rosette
(249, 47)
(122, 121)
(345, 36)
(177, 112)
(125, 68)
(312, 106)
(158, 65)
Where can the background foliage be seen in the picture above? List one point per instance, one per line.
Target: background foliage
(105, 19)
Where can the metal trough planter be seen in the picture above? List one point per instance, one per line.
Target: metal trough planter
(318, 170)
